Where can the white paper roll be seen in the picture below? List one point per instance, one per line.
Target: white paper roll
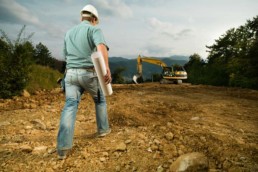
(100, 68)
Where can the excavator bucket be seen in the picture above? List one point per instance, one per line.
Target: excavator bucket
(135, 77)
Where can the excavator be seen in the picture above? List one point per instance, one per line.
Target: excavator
(173, 74)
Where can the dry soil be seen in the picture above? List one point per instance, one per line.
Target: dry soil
(152, 125)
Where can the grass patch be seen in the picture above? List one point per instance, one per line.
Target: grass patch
(42, 77)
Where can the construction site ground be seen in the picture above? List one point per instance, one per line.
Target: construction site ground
(152, 125)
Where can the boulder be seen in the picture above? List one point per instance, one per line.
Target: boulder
(39, 124)
(190, 162)
(121, 147)
(25, 93)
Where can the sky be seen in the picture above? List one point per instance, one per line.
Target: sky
(154, 28)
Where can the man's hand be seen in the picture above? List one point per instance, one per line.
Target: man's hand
(107, 77)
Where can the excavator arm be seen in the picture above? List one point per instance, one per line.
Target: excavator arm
(148, 60)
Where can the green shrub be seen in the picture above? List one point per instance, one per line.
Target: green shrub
(42, 77)
(15, 61)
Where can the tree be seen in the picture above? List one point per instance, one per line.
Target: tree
(195, 68)
(43, 56)
(15, 61)
(232, 59)
(117, 77)
(156, 77)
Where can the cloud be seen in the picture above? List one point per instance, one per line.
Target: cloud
(157, 50)
(167, 29)
(13, 12)
(112, 8)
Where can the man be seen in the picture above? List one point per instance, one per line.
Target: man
(79, 43)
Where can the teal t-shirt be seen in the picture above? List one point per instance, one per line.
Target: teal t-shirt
(79, 44)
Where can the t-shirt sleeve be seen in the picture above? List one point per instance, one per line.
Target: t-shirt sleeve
(98, 37)
(64, 50)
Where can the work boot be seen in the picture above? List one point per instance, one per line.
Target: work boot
(62, 154)
(104, 133)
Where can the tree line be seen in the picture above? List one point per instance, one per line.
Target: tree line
(232, 59)
(16, 59)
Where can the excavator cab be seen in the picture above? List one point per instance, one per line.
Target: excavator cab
(167, 71)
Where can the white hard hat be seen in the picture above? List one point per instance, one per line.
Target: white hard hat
(91, 9)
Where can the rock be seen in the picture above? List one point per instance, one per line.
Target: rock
(160, 169)
(40, 149)
(4, 123)
(116, 154)
(51, 151)
(240, 141)
(195, 118)
(22, 131)
(134, 168)
(227, 164)
(180, 152)
(33, 106)
(81, 118)
(102, 159)
(157, 142)
(142, 136)
(190, 162)
(25, 93)
(55, 91)
(26, 148)
(163, 128)
(85, 154)
(149, 149)
(26, 105)
(118, 168)
(39, 124)
(105, 154)
(156, 155)
(154, 147)
(169, 136)
(161, 148)
(127, 167)
(28, 127)
(169, 124)
(215, 170)
(128, 141)
(121, 147)
(49, 170)
(203, 139)
(18, 138)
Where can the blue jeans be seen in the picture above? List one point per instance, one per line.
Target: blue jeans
(76, 82)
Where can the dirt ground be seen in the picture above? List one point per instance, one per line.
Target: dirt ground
(152, 125)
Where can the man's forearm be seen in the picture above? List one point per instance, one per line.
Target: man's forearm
(103, 49)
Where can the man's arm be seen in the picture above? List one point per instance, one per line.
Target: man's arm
(103, 49)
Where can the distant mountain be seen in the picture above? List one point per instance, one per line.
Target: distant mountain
(148, 69)
(178, 57)
(117, 59)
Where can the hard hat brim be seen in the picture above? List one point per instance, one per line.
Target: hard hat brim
(89, 15)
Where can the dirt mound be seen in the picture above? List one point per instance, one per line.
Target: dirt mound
(152, 125)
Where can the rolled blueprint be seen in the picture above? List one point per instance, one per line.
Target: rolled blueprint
(100, 68)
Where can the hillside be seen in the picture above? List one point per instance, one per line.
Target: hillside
(148, 69)
(42, 77)
(152, 125)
